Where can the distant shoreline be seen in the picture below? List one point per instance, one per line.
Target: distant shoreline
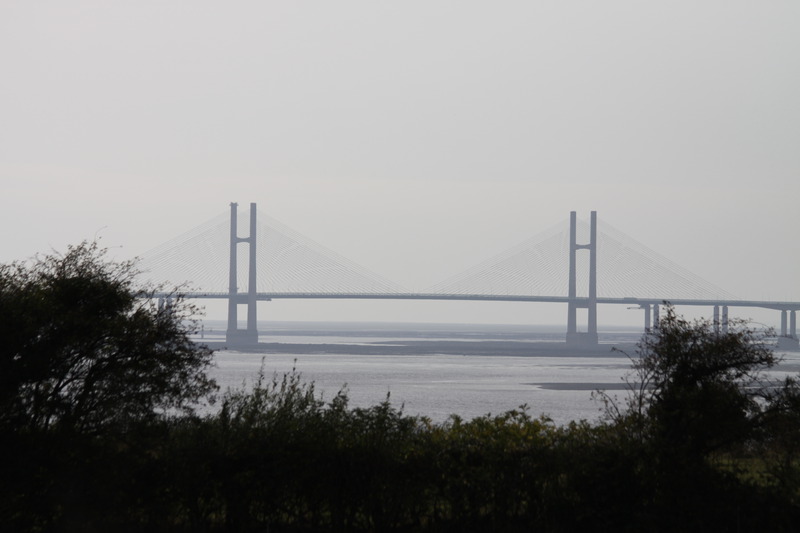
(434, 347)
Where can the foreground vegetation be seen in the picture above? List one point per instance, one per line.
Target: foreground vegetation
(702, 442)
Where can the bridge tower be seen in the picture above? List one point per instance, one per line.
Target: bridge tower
(575, 337)
(234, 335)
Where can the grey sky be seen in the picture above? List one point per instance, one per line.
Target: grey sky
(416, 138)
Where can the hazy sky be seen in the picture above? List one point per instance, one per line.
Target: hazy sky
(415, 138)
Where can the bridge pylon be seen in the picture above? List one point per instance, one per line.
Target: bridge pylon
(234, 335)
(588, 337)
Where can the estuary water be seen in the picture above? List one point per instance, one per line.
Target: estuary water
(438, 370)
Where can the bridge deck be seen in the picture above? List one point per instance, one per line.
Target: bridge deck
(266, 296)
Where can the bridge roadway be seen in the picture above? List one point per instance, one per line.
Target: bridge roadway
(267, 296)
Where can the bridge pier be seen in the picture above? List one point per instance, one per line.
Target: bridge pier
(788, 340)
(791, 331)
(724, 319)
(721, 326)
(650, 316)
(575, 337)
(783, 324)
(164, 302)
(234, 335)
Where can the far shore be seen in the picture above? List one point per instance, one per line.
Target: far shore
(434, 347)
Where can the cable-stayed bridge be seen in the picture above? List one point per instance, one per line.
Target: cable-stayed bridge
(577, 262)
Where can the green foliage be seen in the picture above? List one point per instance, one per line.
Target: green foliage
(83, 349)
(279, 458)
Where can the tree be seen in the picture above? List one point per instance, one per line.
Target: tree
(697, 389)
(84, 346)
(702, 410)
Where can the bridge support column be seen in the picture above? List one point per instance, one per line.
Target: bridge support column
(783, 323)
(234, 335)
(788, 338)
(164, 303)
(716, 319)
(650, 316)
(724, 319)
(589, 337)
